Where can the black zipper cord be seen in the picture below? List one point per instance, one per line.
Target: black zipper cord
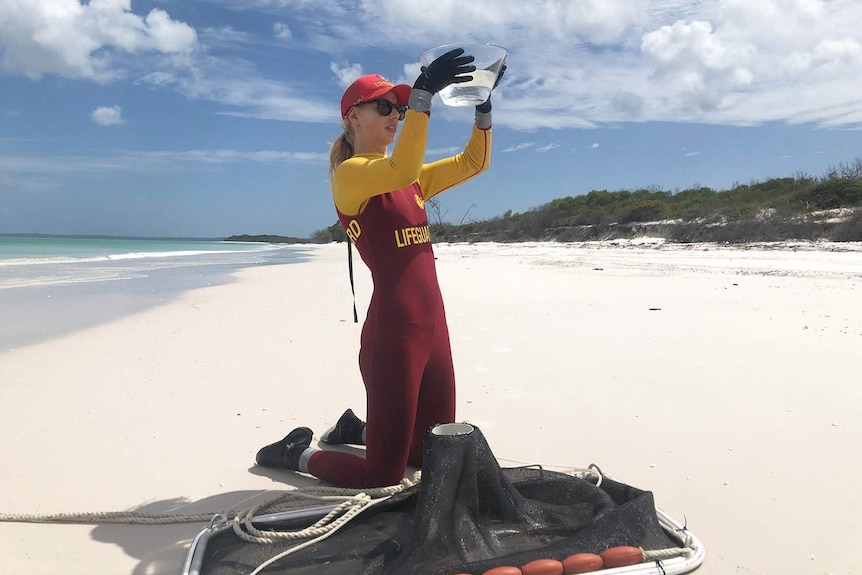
(350, 271)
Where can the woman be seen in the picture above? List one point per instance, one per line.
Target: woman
(405, 358)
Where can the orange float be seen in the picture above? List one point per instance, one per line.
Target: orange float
(622, 556)
(543, 567)
(582, 563)
(505, 570)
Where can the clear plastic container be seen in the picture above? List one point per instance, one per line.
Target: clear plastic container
(489, 60)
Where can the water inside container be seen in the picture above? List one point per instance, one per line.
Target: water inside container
(489, 60)
(470, 93)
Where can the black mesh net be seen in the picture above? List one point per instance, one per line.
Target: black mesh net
(467, 515)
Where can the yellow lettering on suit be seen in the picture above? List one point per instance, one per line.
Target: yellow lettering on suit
(412, 236)
(353, 231)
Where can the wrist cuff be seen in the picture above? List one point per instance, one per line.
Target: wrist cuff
(483, 119)
(420, 100)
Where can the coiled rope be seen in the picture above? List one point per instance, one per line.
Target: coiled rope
(352, 505)
(353, 502)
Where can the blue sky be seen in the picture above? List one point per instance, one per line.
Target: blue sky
(209, 118)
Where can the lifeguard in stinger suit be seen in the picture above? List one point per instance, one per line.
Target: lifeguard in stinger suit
(404, 358)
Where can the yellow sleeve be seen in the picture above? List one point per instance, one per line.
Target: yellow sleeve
(443, 174)
(362, 177)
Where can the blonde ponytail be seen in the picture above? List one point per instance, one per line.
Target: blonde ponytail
(342, 149)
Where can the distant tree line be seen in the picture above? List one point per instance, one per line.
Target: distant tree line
(268, 238)
(801, 207)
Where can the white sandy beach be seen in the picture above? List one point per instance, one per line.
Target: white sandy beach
(724, 380)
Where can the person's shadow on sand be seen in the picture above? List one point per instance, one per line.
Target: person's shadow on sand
(162, 549)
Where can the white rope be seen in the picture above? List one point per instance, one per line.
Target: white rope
(352, 503)
(294, 499)
(657, 554)
(125, 517)
(334, 527)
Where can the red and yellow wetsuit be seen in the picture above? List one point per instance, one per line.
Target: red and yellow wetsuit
(404, 358)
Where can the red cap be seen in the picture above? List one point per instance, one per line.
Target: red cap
(372, 87)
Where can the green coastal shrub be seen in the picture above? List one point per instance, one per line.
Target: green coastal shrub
(832, 194)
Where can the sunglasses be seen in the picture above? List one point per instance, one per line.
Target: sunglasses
(385, 107)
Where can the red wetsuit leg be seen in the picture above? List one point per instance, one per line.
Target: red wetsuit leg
(437, 392)
(392, 359)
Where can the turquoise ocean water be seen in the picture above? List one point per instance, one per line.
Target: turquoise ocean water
(52, 286)
(31, 260)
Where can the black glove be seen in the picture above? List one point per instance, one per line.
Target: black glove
(485, 106)
(445, 70)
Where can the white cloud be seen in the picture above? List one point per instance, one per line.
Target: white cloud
(231, 156)
(226, 37)
(149, 162)
(738, 62)
(161, 33)
(796, 68)
(692, 154)
(571, 64)
(593, 146)
(345, 73)
(242, 91)
(827, 56)
(282, 30)
(518, 147)
(108, 116)
(694, 66)
(547, 148)
(628, 105)
(75, 40)
(443, 151)
(693, 57)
